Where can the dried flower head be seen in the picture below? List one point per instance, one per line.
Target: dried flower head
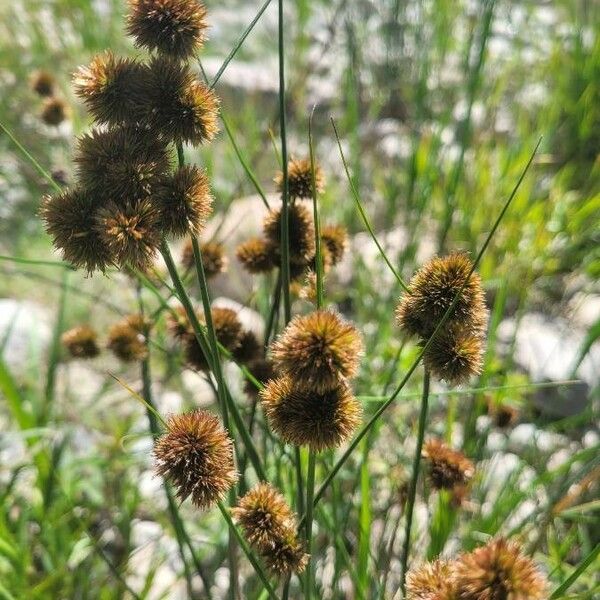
(447, 467)
(301, 233)
(127, 338)
(319, 350)
(112, 88)
(499, 571)
(42, 83)
(130, 232)
(308, 418)
(213, 258)
(335, 239)
(263, 371)
(196, 456)
(300, 179)
(503, 415)
(431, 292)
(122, 164)
(249, 348)
(185, 201)
(69, 218)
(455, 355)
(81, 342)
(431, 581)
(173, 27)
(285, 556)
(181, 107)
(257, 255)
(178, 324)
(264, 516)
(54, 111)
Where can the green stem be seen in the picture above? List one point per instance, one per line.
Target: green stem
(318, 257)
(412, 492)
(310, 491)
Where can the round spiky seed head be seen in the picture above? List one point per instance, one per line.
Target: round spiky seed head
(318, 350)
(335, 239)
(172, 27)
(54, 111)
(431, 292)
(181, 107)
(42, 83)
(455, 355)
(308, 418)
(196, 456)
(504, 415)
(249, 348)
(300, 179)
(264, 516)
(130, 232)
(263, 371)
(448, 468)
(213, 258)
(178, 324)
(111, 88)
(499, 571)
(431, 581)
(256, 255)
(81, 342)
(301, 233)
(285, 556)
(69, 217)
(127, 338)
(121, 164)
(185, 201)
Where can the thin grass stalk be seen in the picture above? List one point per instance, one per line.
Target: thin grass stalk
(318, 256)
(412, 491)
(310, 491)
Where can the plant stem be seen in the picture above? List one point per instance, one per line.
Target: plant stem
(310, 491)
(412, 492)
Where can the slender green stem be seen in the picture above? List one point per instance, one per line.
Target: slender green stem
(412, 492)
(583, 565)
(310, 491)
(318, 256)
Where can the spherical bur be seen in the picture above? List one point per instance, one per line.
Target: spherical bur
(300, 179)
(264, 516)
(431, 292)
(503, 415)
(335, 238)
(448, 468)
(196, 456)
(256, 255)
(262, 370)
(127, 338)
(455, 355)
(130, 232)
(54, 111)
(285, 557)
(112, 88)
(431, 581)
(194, 355)
(319, 349)
(81, 342)
(249, 348)
(308, 418)
(182, 108)
(185, 201)
(498, 571)
(42, 83)
(178, 323)
(228, 328)
(122, 164)
(69, 218)
(301, 233)
(173, 27)
(213, 258)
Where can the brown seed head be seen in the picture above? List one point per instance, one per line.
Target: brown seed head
(81, 342)
(172, 27)
(335, 238)
(54, 111)
(318, 350)
(249, 348)
(455, 355)
(504, 415)
(285, 557)
(69, 217)
(196, 456)
(185, 201)
(301, 233)
(308, 418)
(447, 468)
(178, 324)
(431, 581)
(127, 338)
(300, 179)
(42, 83)
(431, 292)
(257, 255)
(112, 88)
(499, 571)
(213, 258)
(263, 371)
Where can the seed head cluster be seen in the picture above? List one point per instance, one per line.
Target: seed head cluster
(448, 468)
(300, 179)
(126, 197)
(127, 338)
(456, 353)
(213, 258)
(81, 342)
(270, 527)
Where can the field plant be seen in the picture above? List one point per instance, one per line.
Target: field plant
(309, 391)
